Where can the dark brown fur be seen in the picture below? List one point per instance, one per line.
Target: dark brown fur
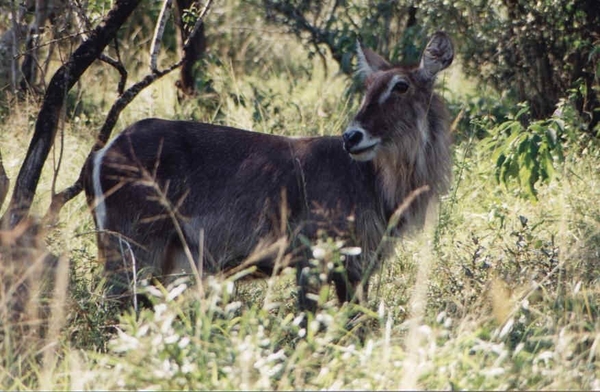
(161, 183)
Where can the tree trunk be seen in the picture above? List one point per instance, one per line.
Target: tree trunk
(192, 52)
(591, 101)
(30, 63)
(47, 121)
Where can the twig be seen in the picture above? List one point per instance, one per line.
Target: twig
(46, 66)
(49, 42)
(118, 52)
(331, 18)
(57, 164)
(118, 65)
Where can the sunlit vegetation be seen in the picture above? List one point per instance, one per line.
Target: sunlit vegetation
(500, 291)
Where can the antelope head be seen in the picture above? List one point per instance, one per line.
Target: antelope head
(393, 115)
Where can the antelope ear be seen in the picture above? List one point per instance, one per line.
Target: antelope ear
(438, 55)
(369, 61)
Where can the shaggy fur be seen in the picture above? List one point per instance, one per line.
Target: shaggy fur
(167, 191)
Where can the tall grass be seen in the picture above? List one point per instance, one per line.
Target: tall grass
(499, 292)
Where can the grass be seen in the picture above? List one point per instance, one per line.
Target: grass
(499, 292)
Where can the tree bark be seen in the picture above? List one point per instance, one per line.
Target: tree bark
(192, 52)
(591, 102)
(4, 182)
(47, 121)
(30, 59)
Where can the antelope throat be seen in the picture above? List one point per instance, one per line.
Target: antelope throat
(365, 153)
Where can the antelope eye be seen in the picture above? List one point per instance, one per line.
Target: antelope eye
(400, 87)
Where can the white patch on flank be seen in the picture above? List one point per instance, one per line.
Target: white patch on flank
(386, 94)
(100, 210)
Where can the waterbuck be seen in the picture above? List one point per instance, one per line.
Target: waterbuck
(180, 196)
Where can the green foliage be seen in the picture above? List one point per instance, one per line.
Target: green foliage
(189, 17)
(513, 298)
(386, 26)
(527, 154)
(476, 114)
(534, 49)
(96, 9)
(530, 153)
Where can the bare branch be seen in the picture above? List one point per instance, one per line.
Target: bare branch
(16, 31)
(117, 50)
(124, 100)
(331, 18)
(61, 198)
(46, 124)
(50, 42)
(30, 64)
(58, 162)
(44, 68)
(158, 33)
(118, 65)
(84, 26)
(82, 20)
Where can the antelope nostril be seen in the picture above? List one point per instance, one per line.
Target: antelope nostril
(352, 137)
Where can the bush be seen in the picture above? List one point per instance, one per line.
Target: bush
(534, 51)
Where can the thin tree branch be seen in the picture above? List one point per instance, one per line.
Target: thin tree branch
(158, 34)
(124, 100)
(61, 198)
(30, 61)
(86, 25)
(58, 163)
(123, 80)
(118, 65)
(50, 42)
